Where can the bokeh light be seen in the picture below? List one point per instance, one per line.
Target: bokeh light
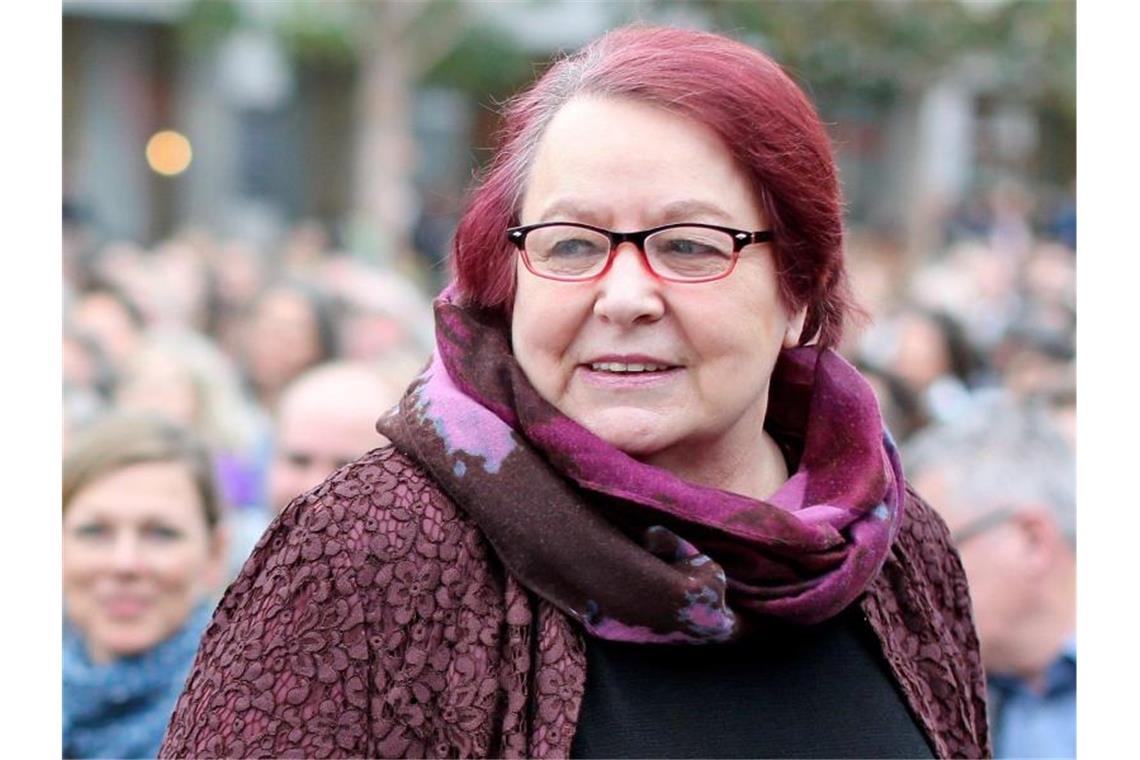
(168, 153)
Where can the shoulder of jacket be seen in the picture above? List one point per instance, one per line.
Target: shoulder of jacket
(919, 607)
(369, 602)
(382, 509)
(384, 485)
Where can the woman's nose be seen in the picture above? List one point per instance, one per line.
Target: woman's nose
(629, 293)
(126, 554)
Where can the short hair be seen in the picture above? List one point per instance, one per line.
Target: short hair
(121, 439)
(1001, 454)
(222, 416)
(764, 119)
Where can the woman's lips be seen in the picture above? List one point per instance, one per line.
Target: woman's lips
(604, 376)
(125, 606)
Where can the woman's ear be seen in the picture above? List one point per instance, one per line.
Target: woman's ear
(795, 327)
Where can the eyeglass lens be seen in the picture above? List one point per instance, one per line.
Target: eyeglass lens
(678, 252)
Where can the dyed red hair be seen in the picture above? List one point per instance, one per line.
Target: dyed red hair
(765, 120)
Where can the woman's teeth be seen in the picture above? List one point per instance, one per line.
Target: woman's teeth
(632, 367)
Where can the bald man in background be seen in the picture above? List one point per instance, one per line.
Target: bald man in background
(326, 418)
(1004, 482)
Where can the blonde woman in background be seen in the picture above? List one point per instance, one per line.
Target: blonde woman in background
(183, 376)
(143, 549)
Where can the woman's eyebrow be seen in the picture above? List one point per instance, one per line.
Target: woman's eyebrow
(569, 209)
(674, 211)
(689, 210)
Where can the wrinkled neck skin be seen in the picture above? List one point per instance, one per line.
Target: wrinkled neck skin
(748, 461)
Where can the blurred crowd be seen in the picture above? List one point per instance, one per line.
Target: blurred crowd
(279, 360)
(972, 353)
(987, 318)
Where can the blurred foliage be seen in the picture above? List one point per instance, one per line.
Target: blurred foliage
(321, 33)
(877, 50)
(311, 32)
(869, 51)
(476, 57)
(207, 22)
(853, 51)
(486, 63)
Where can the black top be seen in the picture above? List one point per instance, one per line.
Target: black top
(821, 691)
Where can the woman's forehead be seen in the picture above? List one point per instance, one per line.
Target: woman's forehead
(602, 158)
(144, 489)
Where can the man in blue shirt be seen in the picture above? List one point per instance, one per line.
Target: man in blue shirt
(1004, 481)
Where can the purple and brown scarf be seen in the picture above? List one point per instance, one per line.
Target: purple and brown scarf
(629, 550)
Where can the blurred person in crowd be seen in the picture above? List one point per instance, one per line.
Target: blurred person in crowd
(1011, 206)
(974, 285)
(431, 234)
(1049, 276)
(1004, 480)
(1061, 407)
(878, 271)
(96, 263)
(126, 269)
(636, 505)
(108, 316)
(929, 352)
(1062, 219)
(79, 241)
(143, 549)
(1048, 286)
(306, 244)
(902, 409)
(381, 312)
(1036, 361)
(184, 376)
(325, 421)
(239, 273)
(183, 286)
(88, 380)
(290, 327)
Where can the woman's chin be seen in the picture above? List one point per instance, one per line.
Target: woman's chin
(639, 433)
(114, 642)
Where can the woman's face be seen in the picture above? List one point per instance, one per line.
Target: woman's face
(138, 556)
(625, 165)
(282, 340)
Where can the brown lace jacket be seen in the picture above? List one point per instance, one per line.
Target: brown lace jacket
(373, 620)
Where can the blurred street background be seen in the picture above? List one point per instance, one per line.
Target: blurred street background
(259, 195)
(213, 146)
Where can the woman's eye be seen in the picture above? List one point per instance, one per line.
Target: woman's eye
(92, 531)
(574, 247)
(692, 248)
(299, 460)
(162, 533)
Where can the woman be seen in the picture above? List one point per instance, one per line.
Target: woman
(142, 549)
(290, 328)
(624, 513)
(182, 375)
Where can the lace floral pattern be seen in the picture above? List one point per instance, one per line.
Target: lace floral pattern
(373, 620)
(919, 606)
